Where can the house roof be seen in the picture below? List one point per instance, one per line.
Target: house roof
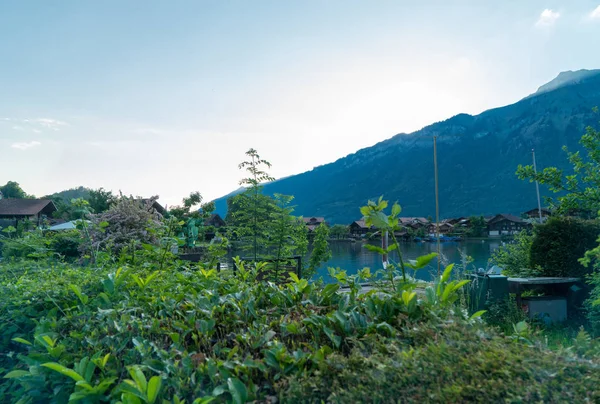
(214, 219)
(155, 205)
(534, 211)
(25, 207)
(360, 223)
(511, 218)
(313, 219)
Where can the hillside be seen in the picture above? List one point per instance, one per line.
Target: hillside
(477, 157)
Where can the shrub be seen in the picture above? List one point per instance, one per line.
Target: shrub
(559, 244)
(514, 257)
(127, 220)
(180, 334)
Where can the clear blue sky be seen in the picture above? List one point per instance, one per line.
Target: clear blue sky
(164, 97)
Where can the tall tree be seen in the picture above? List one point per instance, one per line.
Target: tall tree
(100, 200)
(256, 168)
(12, 189)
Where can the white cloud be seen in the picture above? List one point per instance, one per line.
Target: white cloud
(17, 127)
(54, 124)
(595, 14)
(25, 145)
(36, 131)
(547, 18)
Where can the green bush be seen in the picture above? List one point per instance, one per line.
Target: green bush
(559, 244)
(65, 243)
(514, 257)
(132, 335)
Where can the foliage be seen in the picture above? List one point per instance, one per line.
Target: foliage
(100, 200)
(448, 363)
(128, 221)
(111, 333)
(514, 256)
(320, 250)
(192, 222)
(374, 215)
(504, 313)
(287, 234)
(253, 202)
(339, 231)
(560, 243)
(477, 226)
(12, 189)
(579, 191)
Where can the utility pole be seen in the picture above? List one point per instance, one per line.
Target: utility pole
(437, 203)
(537, 186)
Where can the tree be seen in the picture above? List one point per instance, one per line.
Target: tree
(579, 191)
(100, 200)
(286, 233)
(476, 226)
(339, 231)
(254, 207)
(320, 250)
(12, 189)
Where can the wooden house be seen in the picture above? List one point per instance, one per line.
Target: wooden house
(313, 222)
(504, 224)
(214, 220)
(358, 228)
(535, 214)
(35, 210)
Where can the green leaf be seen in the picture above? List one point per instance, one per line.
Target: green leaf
(64, 370)
(103, 225)
(336, 339)
(365, 211)
(138, 376)
(154, 388)
(374, 248)
(396, 209)
(16, 373)
(238, 390)
(477, 314)
(421, 262)
(22, 341)
(447, 272)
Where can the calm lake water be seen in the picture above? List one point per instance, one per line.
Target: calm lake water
(354, 256)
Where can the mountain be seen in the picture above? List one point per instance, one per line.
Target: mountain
(68, 194)
(477, 159)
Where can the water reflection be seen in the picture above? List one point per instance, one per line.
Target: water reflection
(353, 256)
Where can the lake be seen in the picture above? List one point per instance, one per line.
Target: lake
(353, 256)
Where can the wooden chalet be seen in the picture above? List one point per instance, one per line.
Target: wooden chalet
(313, 222)
(504, 224)
(214, 220)
(35, 210)
(414, 223)
(358, 228)
(534, 213)
(444, 228)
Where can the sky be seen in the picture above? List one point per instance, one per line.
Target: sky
(165, 97)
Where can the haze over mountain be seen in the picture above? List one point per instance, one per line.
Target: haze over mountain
(477, 157)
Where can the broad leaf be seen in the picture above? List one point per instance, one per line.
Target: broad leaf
(64, 370)
(238, 390)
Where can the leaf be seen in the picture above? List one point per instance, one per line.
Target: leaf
(22, 341)
(365, 211)
(460, 284)
(64, 370)
(422, 261)
(396, 209)
(447, 272)
(374, 248)
(153, 388)
(138, 376)
(294, 277)
(407, 297)
(477, 314)
(238, 390)
(336, 339)
(16, 373)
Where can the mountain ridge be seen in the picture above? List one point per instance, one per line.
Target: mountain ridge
(477, 157)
